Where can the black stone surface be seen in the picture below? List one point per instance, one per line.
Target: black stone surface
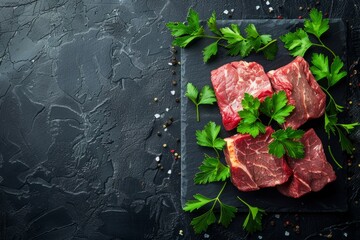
(195, 71)
(78, 136)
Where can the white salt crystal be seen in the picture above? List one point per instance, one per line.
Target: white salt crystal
(167, 109)
(226, 11)
(267, 3)
(257, 7)
(157, 115)
(169, 172)
(172, 92)
(287, 233)
(157, 159)
(271, 9)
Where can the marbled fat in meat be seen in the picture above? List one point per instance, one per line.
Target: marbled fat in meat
(231, 81)
(301, 89)
(252, 166)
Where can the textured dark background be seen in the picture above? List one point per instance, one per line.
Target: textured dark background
(78, 132)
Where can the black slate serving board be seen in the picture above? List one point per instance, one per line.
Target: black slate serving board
(332, 198)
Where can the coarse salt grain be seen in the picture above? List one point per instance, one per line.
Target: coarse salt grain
(232, 10)
(165, 129)
(226, 11)
(287, 233)
(259, 237)
(345, 234)
(267, 3)
(167, 109)
(157, 115)
(170, 64)
(257, 7)
(277, 216)
(172, 92)
(169, 172)
(206, 235)
(157, 159)
(271, 9)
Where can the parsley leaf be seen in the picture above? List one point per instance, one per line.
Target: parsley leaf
(316, 25)
(206, 96)
(201, 223)
(184, 34)
(250, 122)
(211, 22)
(211, 170)
(297, 42)
(276, 107)
(321, 70)
(209, 51)
(252, 222)
(200, 201)
(208, 137)
(335, 74)
(320, 67)
(227, 213)
(285, 142)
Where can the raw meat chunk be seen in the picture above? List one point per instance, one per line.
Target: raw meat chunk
(301, 89)
(310, 173)
(252, 166)
(231, 81)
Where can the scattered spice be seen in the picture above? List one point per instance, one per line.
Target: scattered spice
(279, 17)
(156, 99)
(164, 145)
(174, 82)
(159, 134)
(177, 100)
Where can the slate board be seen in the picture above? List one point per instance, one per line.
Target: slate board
(330, 199)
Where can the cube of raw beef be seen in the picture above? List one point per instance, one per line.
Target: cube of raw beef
(310, 173)
(301, 89)
(251, 165)
(231, 81)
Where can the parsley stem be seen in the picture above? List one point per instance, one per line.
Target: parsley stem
(331, 98)
(244, 202)
(213, 37)
(333, 158)
(197, 112)
(265, 46)
(217, 153)
(324, 46)
(218, 196)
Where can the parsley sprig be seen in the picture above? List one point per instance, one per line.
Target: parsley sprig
(211, 169)
(252, 221)
(276, 108)
(201, 223)
(298, 43)
(228, 37)
(205, 97)
(286, 141)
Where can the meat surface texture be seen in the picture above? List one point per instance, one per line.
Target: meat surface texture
(231, 81)
(251, 165)
(310, 173)
(301, 89)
